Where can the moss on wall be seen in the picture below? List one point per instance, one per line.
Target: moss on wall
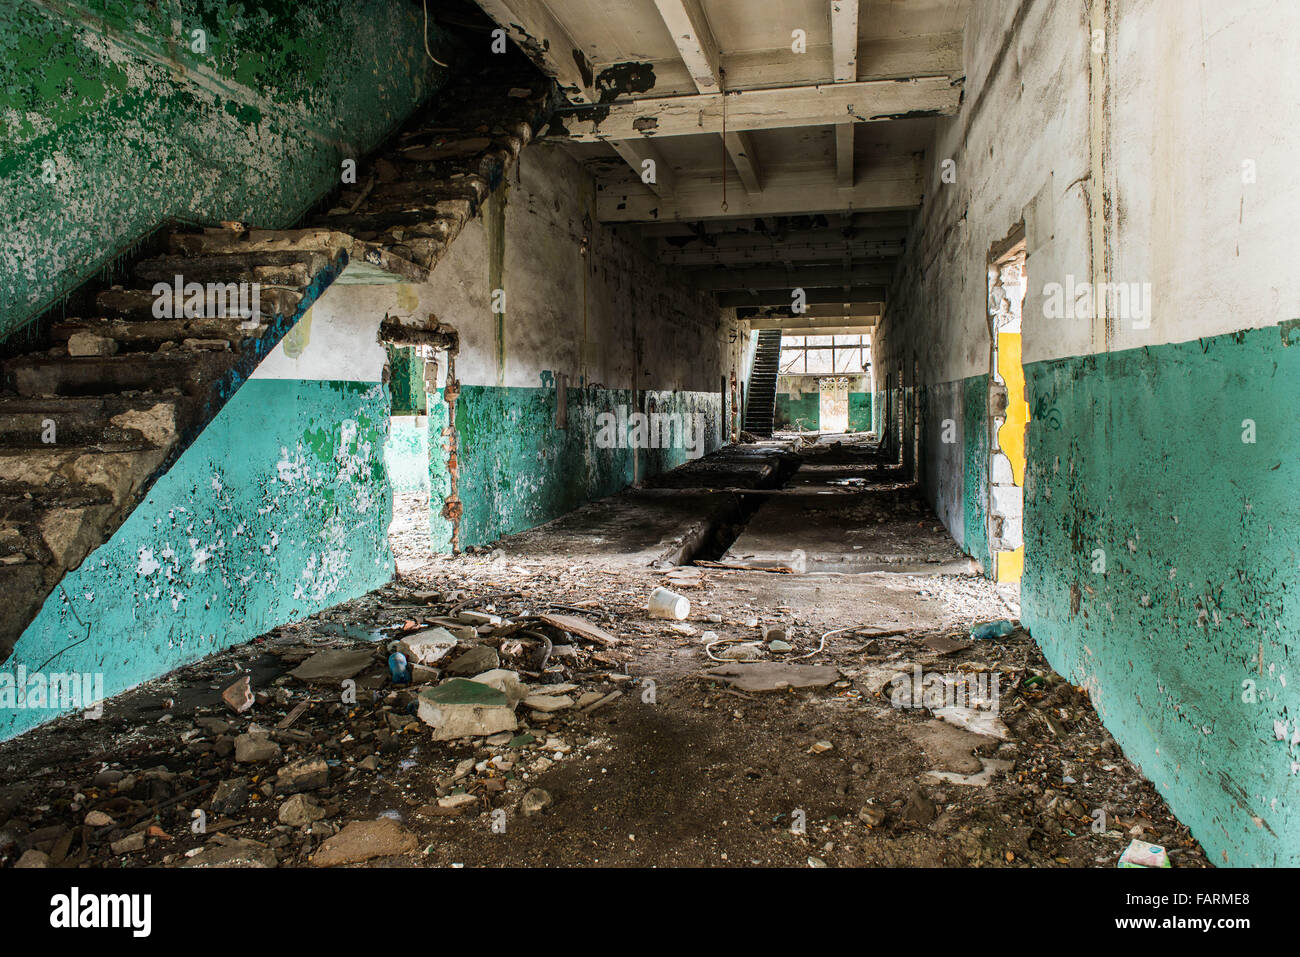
(111, 121)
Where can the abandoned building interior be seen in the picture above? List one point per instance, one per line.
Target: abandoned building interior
(649, 432)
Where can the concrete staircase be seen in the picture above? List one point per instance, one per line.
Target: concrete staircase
(88, 424)
(760, 406)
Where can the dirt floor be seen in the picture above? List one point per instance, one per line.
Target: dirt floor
(655, 759)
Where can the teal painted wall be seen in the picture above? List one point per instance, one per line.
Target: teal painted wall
(859, 411)
(227, 546)
(406, 453)
(803, 413)
(1139, 454)
(406, 380)
(975, 469)
(110, 124)
(517, 470)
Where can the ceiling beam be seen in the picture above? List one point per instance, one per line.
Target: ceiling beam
(536, 31)
(740, 147)
(759, 109)
(699, 51)
(844, 55)
(838, 311)
(866, 224)
(694, 40)
(782, 297)
(851, 326)
(891, 185)
(636, 152)
(879, 58)
(772, 252)
(802, 277)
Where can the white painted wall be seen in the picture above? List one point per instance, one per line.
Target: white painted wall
(1192, 90)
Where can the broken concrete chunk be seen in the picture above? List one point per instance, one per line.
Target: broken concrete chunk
(300, 810)
(235, 854)
(364, 840)
(456, 801)
(474, 661)
(547, 703)
(129, 844)
(535, 802)
(255, 749)
(460, 708)
(427, 647)
(333, 665)
(239, 696)
(506, 682)
(305, 775)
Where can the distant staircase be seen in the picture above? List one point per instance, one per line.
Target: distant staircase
(91, 422)
(760, 408)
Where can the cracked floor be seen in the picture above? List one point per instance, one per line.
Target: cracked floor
(635, 747)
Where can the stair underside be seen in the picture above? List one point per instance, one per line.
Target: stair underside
(87, 426)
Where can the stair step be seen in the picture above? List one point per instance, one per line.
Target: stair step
(58, 534)
(106, 423)
(189, 371)
(139, 304)
(287, 268)
(74, 471)
(150, 333)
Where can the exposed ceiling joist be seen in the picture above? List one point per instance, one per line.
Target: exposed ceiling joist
(852, 326)
(740, 147)
(780, 297)
(861, 224)
(844, 54)
(636, 153)
(868, 101)
(768, 252)
(802, 277)
(879, 58)
(534, 29)
(699, 51)
(817, 312)
(891, 185)
(694, 41)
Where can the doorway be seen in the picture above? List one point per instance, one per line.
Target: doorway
(1008, 408)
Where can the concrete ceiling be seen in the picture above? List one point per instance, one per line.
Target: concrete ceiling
(772, 169)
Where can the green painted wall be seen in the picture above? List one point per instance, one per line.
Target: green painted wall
(803, 413)
(1189, 640)
(227, 546)
(517, 470)
(859, 411)
(110, 124)
(406, 380)
(406, 453)
(975, 469)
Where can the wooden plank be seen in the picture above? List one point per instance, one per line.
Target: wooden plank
(694, 40)
(808, 277)
(636, 152)
(863, 102)
(891, 185)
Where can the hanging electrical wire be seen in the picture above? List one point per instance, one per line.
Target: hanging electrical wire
(425, 5)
